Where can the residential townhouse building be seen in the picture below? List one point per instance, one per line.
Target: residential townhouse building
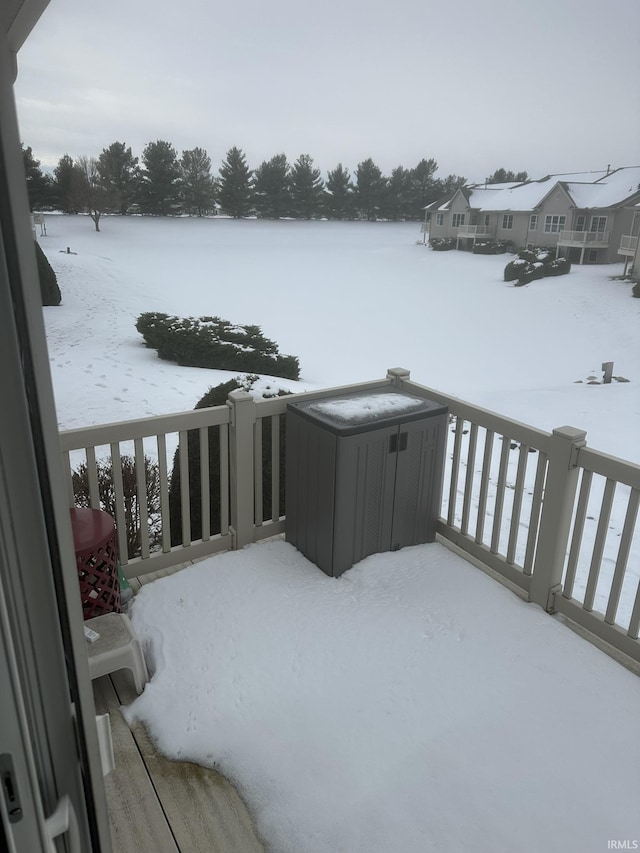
(585, 215)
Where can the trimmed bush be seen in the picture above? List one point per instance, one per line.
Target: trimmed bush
(532, 272)
(489, 247)
(559, 266)
(218, 397)
(214, 343)
(442, 244)
(514, 268)
(48, 282)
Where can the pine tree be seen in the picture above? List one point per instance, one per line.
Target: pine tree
(39, 186)
(502, 176)
(306, 189)
(198, 189)
(120, 175)
(338, 196)
(67, 184)
(424, 187)
(234, 186)
(160, 180)
(271, 188)
(396, 202)
(447, 186)
(370, 188)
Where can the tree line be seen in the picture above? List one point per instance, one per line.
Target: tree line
(162, 183)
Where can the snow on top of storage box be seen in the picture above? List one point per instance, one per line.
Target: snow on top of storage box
(366, 407)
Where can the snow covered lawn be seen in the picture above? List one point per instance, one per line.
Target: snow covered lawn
(411, 705)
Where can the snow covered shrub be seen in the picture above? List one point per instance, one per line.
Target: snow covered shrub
(514, 268)
(48, 282)
(635, 290)
(489, 247)
(216, 344)
(559, 266)
(218, 397)
(107, 492)
(531, 272)
(442, 244)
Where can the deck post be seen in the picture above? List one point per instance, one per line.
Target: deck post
(398, 375)
(557, 511)
(241, 464)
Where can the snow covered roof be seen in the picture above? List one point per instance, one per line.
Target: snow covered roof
(608, 191)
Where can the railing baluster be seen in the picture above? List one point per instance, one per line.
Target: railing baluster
(598, 546)
(634, 623)
(66, 463)
(205, 499)
(118, 488)
(455, 465)
(141, 488)
(499, 501)
(275, 467)
(468, 480)
(484, 484)
(257, 472)
(576, 536)
(224, 479)
(92, 478)
(165, 519)
(185, 502)
(534, 517)
(623, 556)
(517, 504)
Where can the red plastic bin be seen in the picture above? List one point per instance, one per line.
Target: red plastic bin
(94, 539)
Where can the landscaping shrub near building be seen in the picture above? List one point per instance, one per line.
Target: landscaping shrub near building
(635, 290)
(214, 343)
(48, 282)
(490, 247)
(442, 244)
(533, 264)
(217, 397)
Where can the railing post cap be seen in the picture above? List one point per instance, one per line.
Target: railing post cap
(239, 396)
(570, 433)
(398, 373)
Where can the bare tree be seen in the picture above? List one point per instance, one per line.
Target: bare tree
(92, 192)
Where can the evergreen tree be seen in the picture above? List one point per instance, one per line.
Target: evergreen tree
(447, 186)
(67, 184)
(396, 202)
(92, 195)
(306, 189)
(198, 188)
(38, 184)
(271, 188)
(502, 176)
(338, 196)
(160, 179)
(119, 175)
(370, 189)
(234, 186)
(424, 187)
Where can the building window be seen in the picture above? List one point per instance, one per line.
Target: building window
(580, 222)
(440, 219)
(487, 220)
(474, 219)
(592, 256)
(554, 224)
(533, 222)
(457, 220)
(507, 221)
(598, 223)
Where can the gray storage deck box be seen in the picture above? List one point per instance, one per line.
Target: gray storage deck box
(364, 474)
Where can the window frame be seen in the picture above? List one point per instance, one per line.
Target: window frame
(507, 221)
(533, 222)
(457, 220)
(551, 227)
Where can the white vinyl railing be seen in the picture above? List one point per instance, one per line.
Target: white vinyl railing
(628, 245)
(475, 231)
(583, 238)
(551, 516)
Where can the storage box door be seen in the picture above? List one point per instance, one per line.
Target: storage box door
(418, 489)
(365, 476)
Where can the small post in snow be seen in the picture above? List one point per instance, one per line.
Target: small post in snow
(607, 366)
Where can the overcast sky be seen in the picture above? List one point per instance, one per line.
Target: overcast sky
(545, 86)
